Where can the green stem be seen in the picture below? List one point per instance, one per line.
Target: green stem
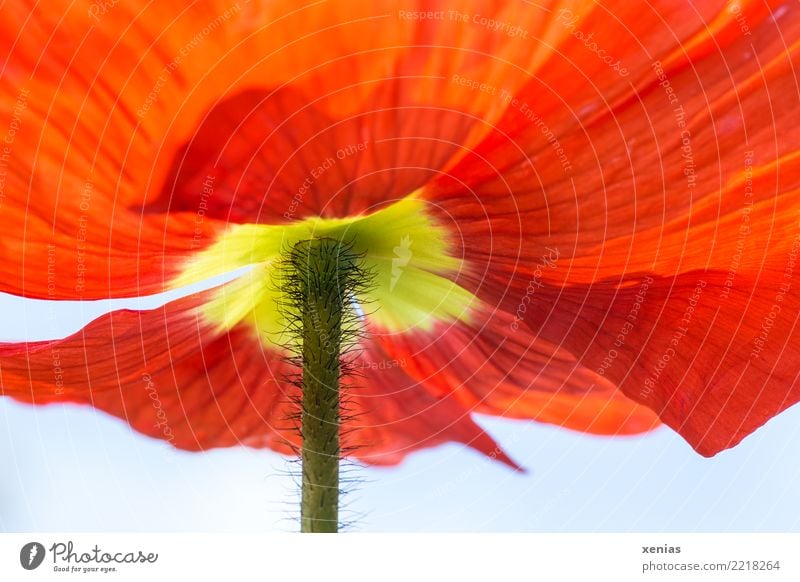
(322, 274)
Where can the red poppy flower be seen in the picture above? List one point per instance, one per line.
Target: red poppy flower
(583, 215)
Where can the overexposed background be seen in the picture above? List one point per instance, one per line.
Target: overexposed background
(67, 468)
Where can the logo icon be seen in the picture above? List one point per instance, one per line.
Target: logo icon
(31, 555)
(402, 256)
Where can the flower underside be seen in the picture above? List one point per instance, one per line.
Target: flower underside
(408, 254)
(459, 162)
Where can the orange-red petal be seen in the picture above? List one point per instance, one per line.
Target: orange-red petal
(169, 375)
(493, 366)
(163, 371)
(627, 207)
(714, 362)
(108, 97)
(687, 173)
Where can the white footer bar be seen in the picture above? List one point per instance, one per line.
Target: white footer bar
(406, 557)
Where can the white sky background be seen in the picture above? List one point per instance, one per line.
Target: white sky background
(67, 468)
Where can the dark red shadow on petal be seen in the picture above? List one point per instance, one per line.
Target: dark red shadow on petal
(272, 157)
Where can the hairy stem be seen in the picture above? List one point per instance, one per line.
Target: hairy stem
(322, 271)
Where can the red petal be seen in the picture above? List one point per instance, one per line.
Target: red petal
(495, 367)
(170, 376)
(110, 95)
(626, 203)
(393, 414)
(714, 362)
(632, 204)
(163, 371)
